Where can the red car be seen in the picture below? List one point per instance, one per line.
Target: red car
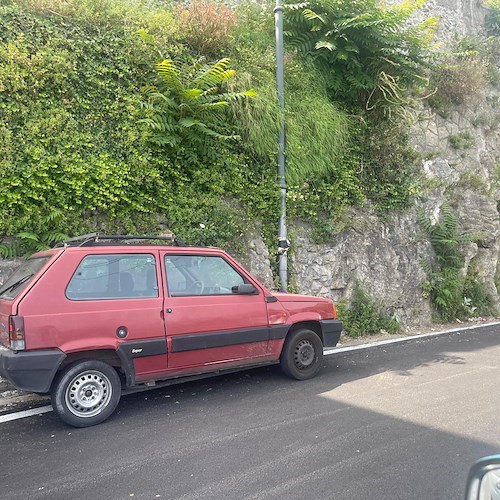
(101, 315)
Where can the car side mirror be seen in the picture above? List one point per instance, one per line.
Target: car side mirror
(244, 289)
(484, 479)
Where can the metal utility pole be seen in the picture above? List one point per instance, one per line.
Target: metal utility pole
(283, 243)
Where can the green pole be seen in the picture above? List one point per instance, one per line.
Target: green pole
(283, 243)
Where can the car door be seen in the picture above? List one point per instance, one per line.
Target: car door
(207, 321)
(113, 299)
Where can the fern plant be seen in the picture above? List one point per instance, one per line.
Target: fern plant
(9, 250)
(445, 276)
(187, 107)
(26, 243)
(370, 52)
(32, 242)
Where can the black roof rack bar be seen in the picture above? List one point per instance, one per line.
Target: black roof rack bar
(81, 237)
(93, 238)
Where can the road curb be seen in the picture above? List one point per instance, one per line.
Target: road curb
(376, 343)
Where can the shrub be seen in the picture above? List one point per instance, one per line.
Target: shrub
(317, 130)
(463, 140)
(492, 19)
(460, 76)
(458, 83)
(477, 301)
(370, 53)
(364, 317)
(206, 26)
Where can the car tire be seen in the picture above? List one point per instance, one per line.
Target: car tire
(86, 393)
(302, 354)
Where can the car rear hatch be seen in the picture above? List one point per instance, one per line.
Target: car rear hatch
(12, 290)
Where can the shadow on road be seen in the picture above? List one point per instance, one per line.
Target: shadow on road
(253, 435)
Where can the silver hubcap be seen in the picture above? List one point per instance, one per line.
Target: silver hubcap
(304, 354)
(88, 393)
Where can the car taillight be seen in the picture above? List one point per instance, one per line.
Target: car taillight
(16, 333)
(335, 311)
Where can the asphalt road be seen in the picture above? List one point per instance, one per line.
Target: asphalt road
(402, 421)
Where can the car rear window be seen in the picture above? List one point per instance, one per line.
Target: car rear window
(21, 277)
(114, 276)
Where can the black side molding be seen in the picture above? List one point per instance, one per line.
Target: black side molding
(127, 351)
(278, 332)
(192, 342)
(142, 348)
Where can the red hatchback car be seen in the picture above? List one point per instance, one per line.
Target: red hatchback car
(101, 315)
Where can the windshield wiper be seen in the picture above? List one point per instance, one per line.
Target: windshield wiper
(17, 283)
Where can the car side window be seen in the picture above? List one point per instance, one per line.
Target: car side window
(114, 276)
(200, 275)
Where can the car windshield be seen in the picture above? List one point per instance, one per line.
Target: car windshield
(18, 281)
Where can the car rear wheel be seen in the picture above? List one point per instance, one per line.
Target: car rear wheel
(86, 393)
(302, 354)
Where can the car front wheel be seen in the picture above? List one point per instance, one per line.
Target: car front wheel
(302, 354)
(86, 393)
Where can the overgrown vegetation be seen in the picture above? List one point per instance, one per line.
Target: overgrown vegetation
(454, 291)
(81, 152)
(124, 116)
(74, 157)
(364, 317)
(357, 47)
(207, 27)
(370, 53)
(462, 140)
(461, 74)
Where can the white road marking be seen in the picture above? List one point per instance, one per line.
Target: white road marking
(334, 350)
(26, 413)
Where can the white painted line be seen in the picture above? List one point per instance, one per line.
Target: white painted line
(23, 414)
(335, 350)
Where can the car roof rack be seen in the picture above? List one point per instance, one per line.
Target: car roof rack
(95, 239)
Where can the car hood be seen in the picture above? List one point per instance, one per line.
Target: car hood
(292, 297)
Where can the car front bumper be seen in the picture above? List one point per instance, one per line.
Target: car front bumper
(330, 331)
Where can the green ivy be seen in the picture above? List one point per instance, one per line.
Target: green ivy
(74, 160)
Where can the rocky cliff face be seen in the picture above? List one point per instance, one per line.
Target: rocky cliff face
(382, 255)
(456, 17)
(7, 267)
(462, 170)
